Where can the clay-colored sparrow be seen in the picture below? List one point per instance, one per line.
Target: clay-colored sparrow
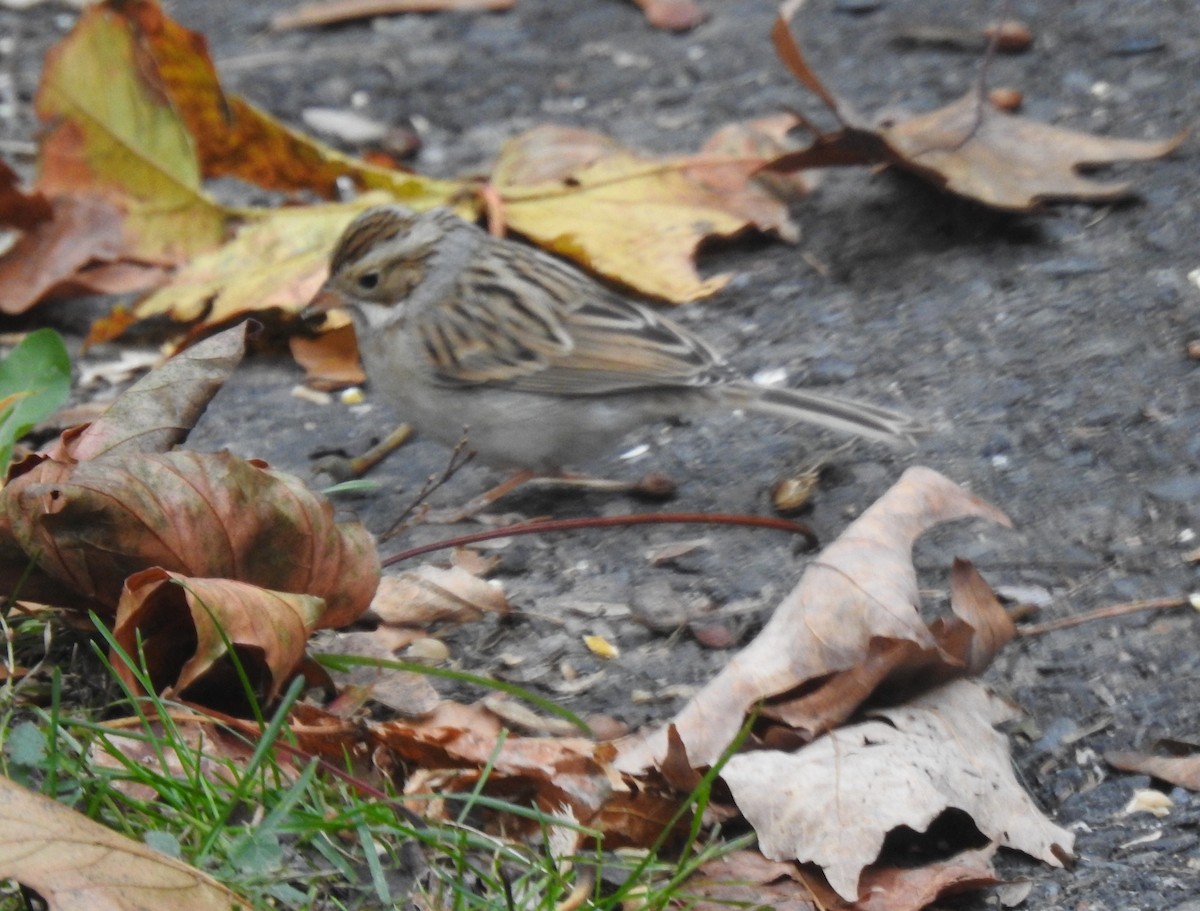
(542, 365)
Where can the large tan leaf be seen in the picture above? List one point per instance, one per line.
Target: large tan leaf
(634, 219)
(111, 132)
(182, 624)
(834, 801)
(852, 620)
(968, 147)
(75, 863)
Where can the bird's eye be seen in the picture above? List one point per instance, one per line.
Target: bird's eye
(368, 280)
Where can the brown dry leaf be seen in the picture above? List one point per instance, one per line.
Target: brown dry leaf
(199, 514)
(550, 771)
(672, 15)
(747, 879)
(1182, 768)
(103, 503)
(209, 749)
(159, 410)
(738, 152)
(634, 219)
(75, 250)
(308, 15)
(834, 801)
(853, 619)
(968, 147)
(73, 863)
(429, 594)
(277, 261)
(182, 624)
(330, 360)
(886, 888)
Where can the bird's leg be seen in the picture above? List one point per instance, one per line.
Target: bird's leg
(476, 505)
(654, 486)
(341, 468)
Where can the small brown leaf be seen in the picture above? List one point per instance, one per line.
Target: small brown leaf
(746, 879)
(182, 625)
(969, 147)
(72, 862)
(1005, 161)
(330, 360)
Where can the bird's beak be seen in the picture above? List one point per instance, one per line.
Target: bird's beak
(325, 300)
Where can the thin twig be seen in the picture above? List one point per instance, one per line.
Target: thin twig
(459, 457)
(1105, 613)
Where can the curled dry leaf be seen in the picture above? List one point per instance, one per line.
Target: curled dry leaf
(852, 620)
(632, 218)
(72, 862)
(183, 626)
(199, 514)
(159, 410)
(888, 888)
(969, 147)
(747, 879)
(834, 801)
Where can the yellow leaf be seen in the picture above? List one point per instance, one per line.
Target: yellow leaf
(278, 260)
(113, 132)
(73, 862)
(634, 219)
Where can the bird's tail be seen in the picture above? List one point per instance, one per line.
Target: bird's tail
(845, 415)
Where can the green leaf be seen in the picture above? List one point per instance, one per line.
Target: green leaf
(35, 380)
(26, 746)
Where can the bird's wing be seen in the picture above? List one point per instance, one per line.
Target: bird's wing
(525, 320)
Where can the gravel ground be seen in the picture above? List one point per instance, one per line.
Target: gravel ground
(1048, 353)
